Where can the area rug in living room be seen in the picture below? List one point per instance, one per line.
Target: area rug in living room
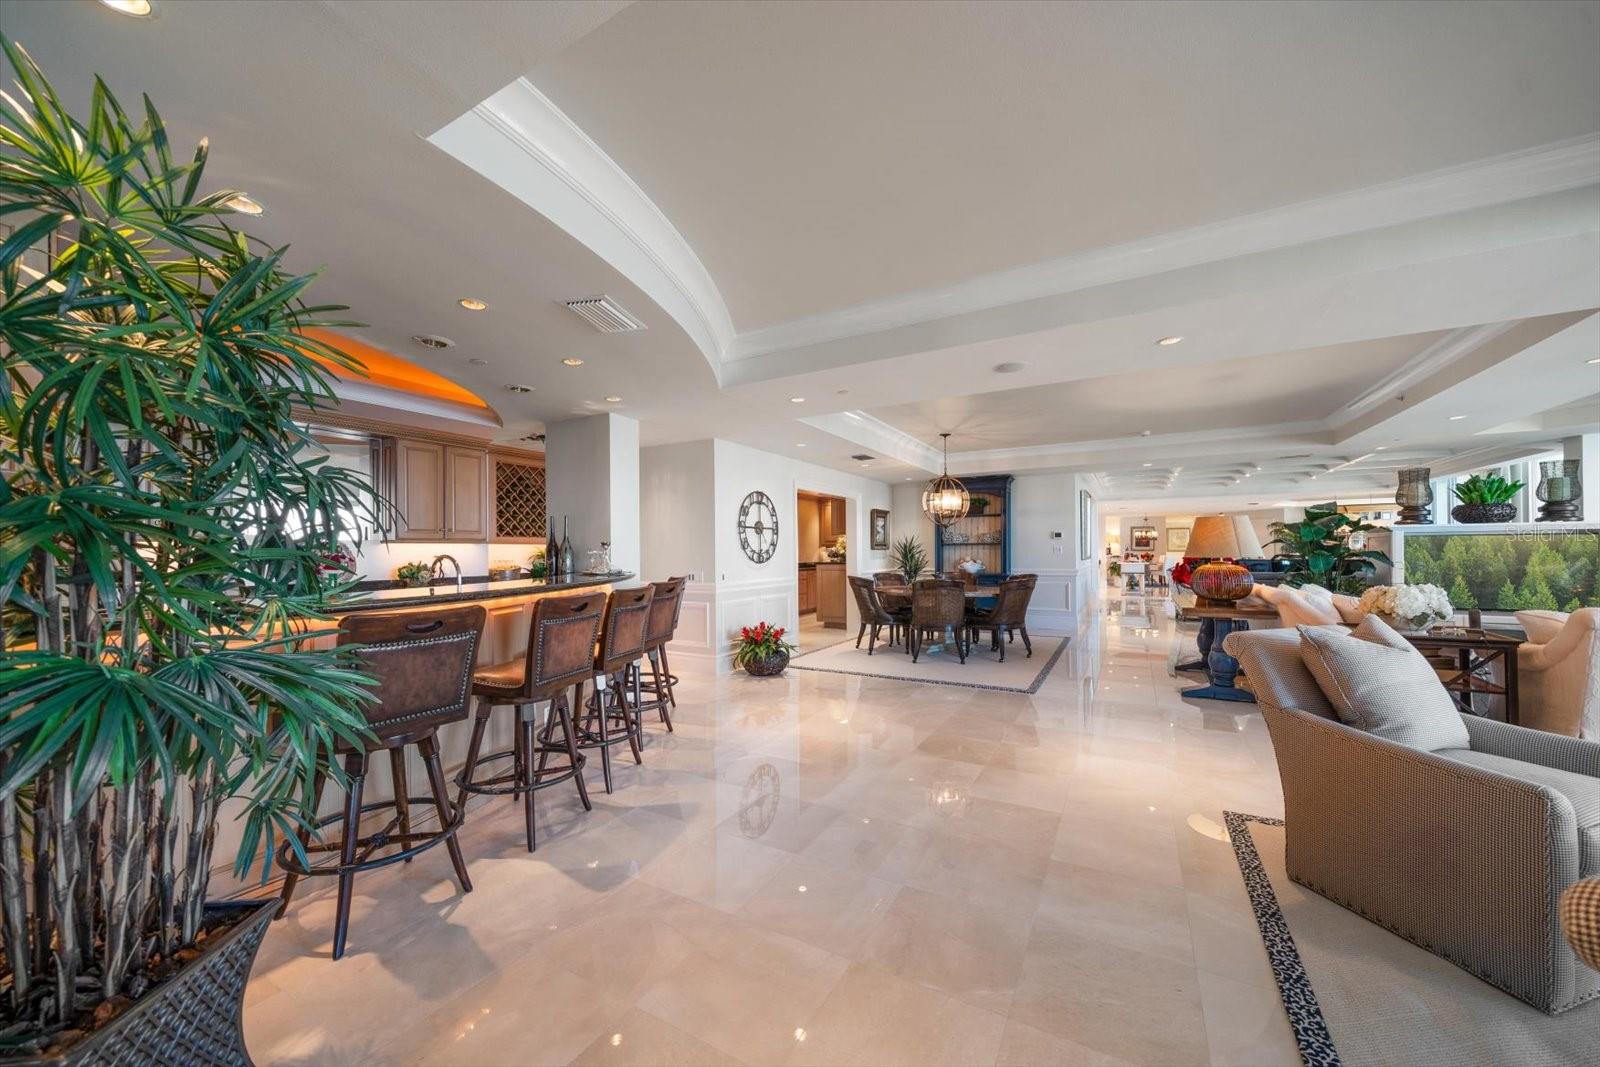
(983, 669)
(1357, 994)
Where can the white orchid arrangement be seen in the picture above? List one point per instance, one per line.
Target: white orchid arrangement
(969, 564)
(1413, 607)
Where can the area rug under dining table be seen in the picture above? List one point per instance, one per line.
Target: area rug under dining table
(1357, 994)
(983, 669)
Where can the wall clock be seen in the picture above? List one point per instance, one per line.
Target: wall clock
(758, 527)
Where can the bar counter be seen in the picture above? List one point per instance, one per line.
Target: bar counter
(528, 589)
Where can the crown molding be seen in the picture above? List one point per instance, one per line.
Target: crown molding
(578, 187)
(1535, 172)
(878, 436)
(1454, 346)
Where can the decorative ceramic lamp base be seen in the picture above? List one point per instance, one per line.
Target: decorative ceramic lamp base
(1224, 582)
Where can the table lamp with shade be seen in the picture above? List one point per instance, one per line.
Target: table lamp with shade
(1218, 538)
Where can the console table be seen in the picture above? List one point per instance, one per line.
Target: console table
(1217, 621)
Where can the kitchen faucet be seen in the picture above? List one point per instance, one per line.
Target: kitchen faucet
(438, 571)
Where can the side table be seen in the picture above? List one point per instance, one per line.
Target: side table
(1472, 654)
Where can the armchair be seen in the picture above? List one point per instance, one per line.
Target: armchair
(1465, 852)
(1558, 669)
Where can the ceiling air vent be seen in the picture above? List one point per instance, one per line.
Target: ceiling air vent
(861, 457)
(606, 315)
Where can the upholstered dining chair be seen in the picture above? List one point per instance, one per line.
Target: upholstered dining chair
(938, 604)
(874, 616)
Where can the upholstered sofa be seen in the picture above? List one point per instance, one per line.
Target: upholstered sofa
(1308, 605)
(1558, 670)
(1465, 852)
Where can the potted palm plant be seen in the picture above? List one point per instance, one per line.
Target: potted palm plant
(909, 558)
(164, 538)
(1322, 551)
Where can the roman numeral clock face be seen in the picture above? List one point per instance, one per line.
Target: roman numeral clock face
(758, 527)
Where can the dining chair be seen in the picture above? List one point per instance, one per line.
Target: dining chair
(1009, 615)
(937, 605)
(874, 615)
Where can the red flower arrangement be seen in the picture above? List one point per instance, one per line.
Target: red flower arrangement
(760, 643)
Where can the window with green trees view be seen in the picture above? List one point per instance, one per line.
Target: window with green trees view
(1510, 571)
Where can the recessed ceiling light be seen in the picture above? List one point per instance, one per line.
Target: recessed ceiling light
(1144, 433)
(1169, 340)
(1592, 362)
(519, 388)
(428, 340)
(797, 400)
(1149, 464)
(241, 203)
(472, 303)
(478, 362)
(1008, 368)
(1381, 448)
(572, 361)
(613, 400)
(139, 9)
(799, 444)
(1457, 418)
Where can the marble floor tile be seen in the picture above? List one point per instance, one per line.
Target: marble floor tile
(827, 869)
(873, 1018)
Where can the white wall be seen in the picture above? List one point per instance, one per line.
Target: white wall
(676, 526)
(735, 591)
(592, 481)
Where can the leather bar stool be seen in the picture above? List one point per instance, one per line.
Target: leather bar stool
(559, 658)
(423, 662)
(665, 607)
(622, 643)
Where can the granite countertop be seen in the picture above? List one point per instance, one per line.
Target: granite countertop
(399, 596)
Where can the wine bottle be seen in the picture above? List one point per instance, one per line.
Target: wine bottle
(552, 549)
(567, 562)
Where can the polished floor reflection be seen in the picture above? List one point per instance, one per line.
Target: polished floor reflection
(826, 869)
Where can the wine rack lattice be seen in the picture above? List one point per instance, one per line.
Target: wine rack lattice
(519, 501)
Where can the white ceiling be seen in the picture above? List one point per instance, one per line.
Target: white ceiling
(818, 156)
(1283, 387)
(869, 205)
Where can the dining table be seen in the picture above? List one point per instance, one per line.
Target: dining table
(899, 593)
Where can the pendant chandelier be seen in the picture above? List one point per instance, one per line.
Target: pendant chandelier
(945, 500)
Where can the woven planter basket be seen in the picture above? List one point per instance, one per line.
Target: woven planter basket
(194, 1019)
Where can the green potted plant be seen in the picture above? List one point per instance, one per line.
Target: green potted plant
(762, 651)
(1485, 498)
(165, 530)
(909, 558)
(413, 575)
(1322, 553)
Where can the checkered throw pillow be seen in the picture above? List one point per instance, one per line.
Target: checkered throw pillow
(1580, 919)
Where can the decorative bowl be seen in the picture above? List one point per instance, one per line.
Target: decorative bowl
(1476, 513)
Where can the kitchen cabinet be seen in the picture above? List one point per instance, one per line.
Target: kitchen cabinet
(808, 590)
(831, 595)
(831, 522)
(439, 492)
(466, 494)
